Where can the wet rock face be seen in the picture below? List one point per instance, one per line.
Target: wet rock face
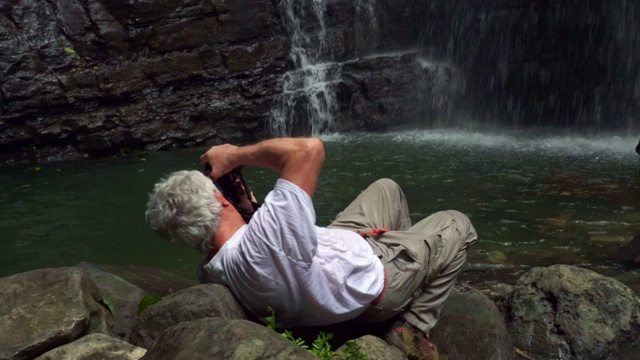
(97, 77)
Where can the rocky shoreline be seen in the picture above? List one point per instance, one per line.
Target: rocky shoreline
(89, 311)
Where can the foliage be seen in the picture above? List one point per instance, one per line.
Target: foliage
(82, 61)
(147, 301)
(271, 319)
(353, 351)
(298, 341)
(108, 303)
(321, 347)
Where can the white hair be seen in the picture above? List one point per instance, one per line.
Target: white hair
(183, 209)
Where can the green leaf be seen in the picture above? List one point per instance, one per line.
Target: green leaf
(69, 50)
(271, 320)
(147, 301)
(108, 303)
(59, 42)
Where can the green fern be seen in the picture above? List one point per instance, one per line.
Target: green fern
(271, 319)
(298, 341)
(353, 351)
(321, 347)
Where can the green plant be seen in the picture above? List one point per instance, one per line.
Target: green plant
(147, 301)
(320, 347)
(353, 351)
(82, 61)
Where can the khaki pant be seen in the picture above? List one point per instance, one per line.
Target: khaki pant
(421, 262)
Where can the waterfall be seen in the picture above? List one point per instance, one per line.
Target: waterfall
(308, 102)
(561, 64)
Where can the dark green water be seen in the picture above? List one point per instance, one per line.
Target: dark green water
(534, 198)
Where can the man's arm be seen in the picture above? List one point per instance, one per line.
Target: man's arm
(296, 160)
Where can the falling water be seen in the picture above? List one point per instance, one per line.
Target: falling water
(561, 64)
(308, 84)
(308, 102)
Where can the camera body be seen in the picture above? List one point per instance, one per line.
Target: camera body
(228, 186)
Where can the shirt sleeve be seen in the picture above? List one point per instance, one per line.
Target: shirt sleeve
(285, 224)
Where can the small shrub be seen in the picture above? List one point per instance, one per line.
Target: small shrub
(321, 347)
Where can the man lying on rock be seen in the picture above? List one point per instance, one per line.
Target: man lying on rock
(370, 264)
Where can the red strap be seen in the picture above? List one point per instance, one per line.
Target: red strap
(375, 232)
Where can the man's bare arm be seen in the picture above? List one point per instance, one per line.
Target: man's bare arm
(296, 160)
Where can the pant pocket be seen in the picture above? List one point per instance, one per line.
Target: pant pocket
(405, 275)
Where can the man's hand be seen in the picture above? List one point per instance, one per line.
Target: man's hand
(219, 158)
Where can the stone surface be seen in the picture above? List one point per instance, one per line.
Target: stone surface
(151, 280)
(373, 348)
(568, 312)
(43, 309)
(120, 296)
(206, 300)
(471, 327)
(100, 77)
(217, 338)
(95, 346)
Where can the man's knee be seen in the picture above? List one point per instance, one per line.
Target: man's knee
(465, 228)
(386, 185)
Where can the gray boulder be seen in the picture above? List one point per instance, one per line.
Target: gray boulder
(201, 301)
(566, 312)
(120, 296)
(42, 309)
(152, 280)
(373, 348)
(95, 346)
(471, 327)
(218, 338)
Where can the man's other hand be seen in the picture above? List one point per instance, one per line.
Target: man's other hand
(219, 158)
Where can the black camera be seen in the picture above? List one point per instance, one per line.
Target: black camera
(228, 185)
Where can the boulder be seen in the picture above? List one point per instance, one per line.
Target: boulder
(371, 347)
(95, 346)
(43, 309)
(471, 327)
(201, 301)
(121, 296)
(218, 338)
(569, 312)
(151, 280)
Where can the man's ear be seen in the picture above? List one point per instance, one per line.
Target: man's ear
(223, 200)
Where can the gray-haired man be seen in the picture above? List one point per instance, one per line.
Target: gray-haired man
(370, 264)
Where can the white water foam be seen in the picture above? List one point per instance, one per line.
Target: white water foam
(518, 141)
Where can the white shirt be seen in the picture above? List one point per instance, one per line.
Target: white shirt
(309, 275)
